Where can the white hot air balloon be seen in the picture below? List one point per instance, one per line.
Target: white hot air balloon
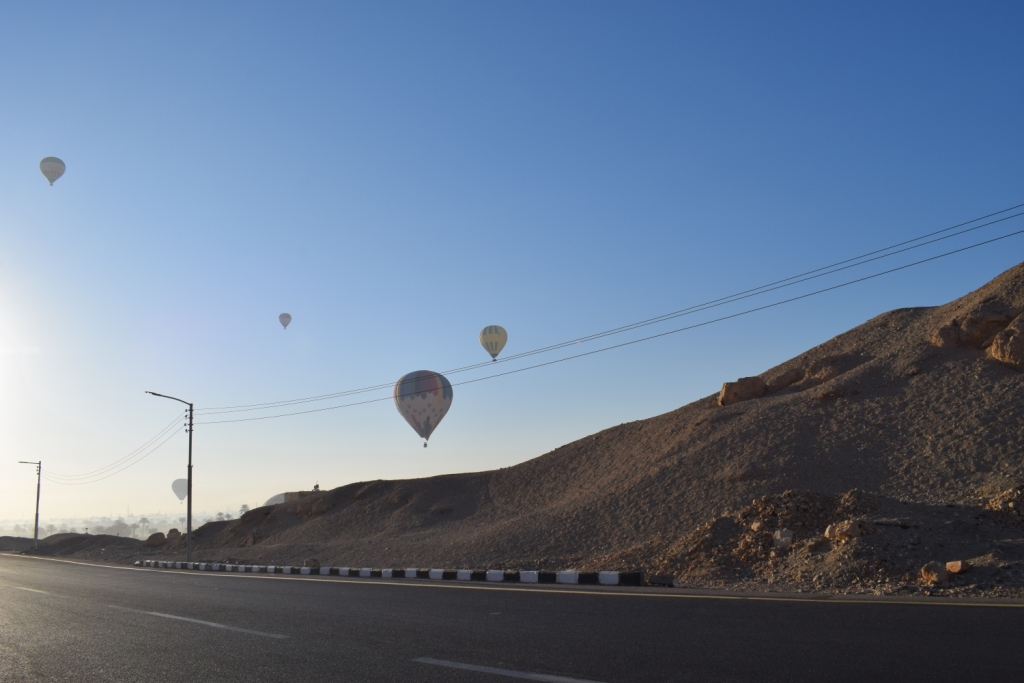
(285, 318)
(275, 500)
(52, 168)
(180, 488)
(493, 339)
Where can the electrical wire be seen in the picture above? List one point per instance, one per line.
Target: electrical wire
(119, 461)
(131, 464)
(714, 303)
(648, 338)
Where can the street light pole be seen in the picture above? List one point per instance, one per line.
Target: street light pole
(39, 488)
(188, 529)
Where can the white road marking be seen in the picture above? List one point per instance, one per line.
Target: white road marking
(548, 678)
(199, 621)
(20, 588)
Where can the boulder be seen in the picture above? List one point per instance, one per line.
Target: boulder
(156, 540)
(173, 535)
(784, 380)
(743, 389)
(845, 530)
(957, 566)
(1008, 346)
(783, 538)
(934, 572)
(311, 563)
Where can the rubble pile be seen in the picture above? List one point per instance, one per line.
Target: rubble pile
(855, 542)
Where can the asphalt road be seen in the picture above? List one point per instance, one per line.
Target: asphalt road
(62, 621)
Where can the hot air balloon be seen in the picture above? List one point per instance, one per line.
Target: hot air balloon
(52, 168)
(493, 338)
(285, 319)
(423, 397)
(180, 488)
(275, 500)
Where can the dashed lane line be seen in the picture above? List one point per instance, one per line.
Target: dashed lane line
(547, 678)
(200, 621)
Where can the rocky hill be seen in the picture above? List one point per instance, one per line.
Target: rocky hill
(912, 421)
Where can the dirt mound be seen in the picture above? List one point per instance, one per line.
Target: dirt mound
(923, 406)
(14, 544)
(84, 546)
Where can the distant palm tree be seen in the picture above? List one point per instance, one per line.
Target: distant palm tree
(242, 510)
(220, 516)
(144, 522)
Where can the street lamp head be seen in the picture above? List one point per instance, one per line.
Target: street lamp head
(27, 462)
(153, 393)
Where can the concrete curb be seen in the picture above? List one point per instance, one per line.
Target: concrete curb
(609, 578)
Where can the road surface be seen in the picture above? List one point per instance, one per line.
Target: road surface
(65, 621)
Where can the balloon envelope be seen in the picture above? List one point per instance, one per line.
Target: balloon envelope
(493, 338)
(180, 488)
(275, 500)
(52, 168)
(423, 397)
(285, 319)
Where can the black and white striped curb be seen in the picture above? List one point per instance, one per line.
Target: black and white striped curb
(493, 575)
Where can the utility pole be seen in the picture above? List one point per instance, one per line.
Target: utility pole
(39, 488)
(188, 530)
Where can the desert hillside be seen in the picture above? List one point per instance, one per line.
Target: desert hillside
(919, 406)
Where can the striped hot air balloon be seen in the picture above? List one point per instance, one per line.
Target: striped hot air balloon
(493, 338)
(423, 398)
(52, 168)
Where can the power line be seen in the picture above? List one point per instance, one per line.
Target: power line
(696, 308)
(131, 464)
(648, 338)
(116, 463)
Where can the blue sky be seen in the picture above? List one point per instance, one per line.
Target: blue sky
(399, 175)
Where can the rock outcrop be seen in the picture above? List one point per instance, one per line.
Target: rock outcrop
(1008, 346)
(787, 378)
(743, 389)
(975, 328)
(156, 540)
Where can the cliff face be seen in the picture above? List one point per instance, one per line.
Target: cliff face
(922, 405)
